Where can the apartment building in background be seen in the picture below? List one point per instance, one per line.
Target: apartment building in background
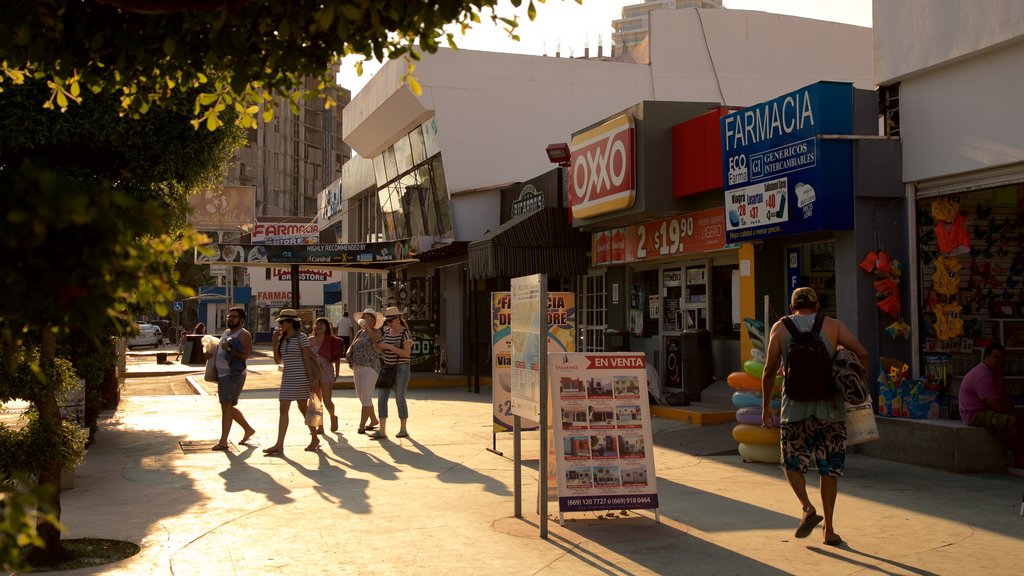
(292, 158)
(635, 24)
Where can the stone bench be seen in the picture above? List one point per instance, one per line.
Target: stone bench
(943, 444)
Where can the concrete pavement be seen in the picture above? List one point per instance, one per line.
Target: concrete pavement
(439, 502)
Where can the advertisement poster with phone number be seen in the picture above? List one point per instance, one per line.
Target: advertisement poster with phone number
(604, 448)
(561, 318)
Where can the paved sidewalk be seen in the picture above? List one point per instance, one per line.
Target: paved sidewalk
(440, 503)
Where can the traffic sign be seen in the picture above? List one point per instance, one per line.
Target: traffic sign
(179, 306)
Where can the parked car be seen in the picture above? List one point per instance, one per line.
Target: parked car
(149, 335)
(164, 326)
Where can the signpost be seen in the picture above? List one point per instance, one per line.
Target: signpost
(529, 380)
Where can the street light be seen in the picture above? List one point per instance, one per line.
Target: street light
(558, 154)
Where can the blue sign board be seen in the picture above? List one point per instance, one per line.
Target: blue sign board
(179, 306)
(780, 177)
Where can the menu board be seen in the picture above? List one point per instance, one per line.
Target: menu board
(604, 450)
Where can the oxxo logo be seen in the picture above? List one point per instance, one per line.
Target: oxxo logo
(737, 169)
(601, 176)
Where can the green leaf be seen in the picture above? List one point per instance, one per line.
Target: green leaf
(169, 45)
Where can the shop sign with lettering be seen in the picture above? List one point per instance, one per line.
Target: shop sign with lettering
(780, 176)
(286, 233)
(602, 173)
(239, 254)
(688, 233)
(530, 200)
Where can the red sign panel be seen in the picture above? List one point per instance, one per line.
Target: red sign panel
(689, 233)
(602, 174)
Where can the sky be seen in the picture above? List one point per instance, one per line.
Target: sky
(568, 27)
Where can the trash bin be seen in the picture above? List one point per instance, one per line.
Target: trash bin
(192, 354)
(696, 360)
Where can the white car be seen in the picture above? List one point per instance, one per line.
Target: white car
(149, 335)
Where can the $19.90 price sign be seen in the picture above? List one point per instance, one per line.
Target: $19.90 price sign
(687, 233)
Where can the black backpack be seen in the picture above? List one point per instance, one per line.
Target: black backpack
(808, 364)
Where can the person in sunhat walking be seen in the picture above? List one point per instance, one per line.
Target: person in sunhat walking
(291, 347)
(365, 363)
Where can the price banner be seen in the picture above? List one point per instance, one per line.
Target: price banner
(687, 233)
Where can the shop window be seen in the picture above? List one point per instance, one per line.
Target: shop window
(672, 281)
(645, 304)
(390, 165)
(440, 190)
(889, 108)
(975, 299)
(821, 274)
(403, 155)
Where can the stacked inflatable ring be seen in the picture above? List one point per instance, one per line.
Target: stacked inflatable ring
(756, 443)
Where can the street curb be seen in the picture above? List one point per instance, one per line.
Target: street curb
(195, 386)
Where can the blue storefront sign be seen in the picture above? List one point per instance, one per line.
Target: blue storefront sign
(780, 177)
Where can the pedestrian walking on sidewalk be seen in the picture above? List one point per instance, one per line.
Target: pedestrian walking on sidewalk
(365, 363)
(813, 431)
(300, 378)
(327, 350)
(231, 356)
(346, 331)
(396, 350)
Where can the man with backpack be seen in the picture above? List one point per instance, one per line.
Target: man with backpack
(813, 414)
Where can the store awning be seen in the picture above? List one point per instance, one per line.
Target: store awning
(538, 242)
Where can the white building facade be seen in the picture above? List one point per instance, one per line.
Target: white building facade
(951, 73)
(483, 121)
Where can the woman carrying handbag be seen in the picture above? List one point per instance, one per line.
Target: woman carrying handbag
(365, 362)
(300, 378)
(396, 350)
(327, 351)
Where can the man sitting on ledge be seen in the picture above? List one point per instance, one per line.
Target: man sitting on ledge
(985, 402)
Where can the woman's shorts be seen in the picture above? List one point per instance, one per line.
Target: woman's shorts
(814, 441)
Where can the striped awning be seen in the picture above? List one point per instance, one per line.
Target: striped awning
(539, 242)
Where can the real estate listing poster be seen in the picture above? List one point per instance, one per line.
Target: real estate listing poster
(603, 441)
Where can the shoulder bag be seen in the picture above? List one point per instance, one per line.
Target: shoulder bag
(386, 379)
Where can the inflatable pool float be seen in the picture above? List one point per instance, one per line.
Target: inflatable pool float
(744, 381)
(750, 434)
(771, 453)
(752, 416)
(748, 399)
(755, 329)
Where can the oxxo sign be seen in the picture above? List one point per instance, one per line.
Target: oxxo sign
(602, 173)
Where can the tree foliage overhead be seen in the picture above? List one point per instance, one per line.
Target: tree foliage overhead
(144, 50)
(88, 198)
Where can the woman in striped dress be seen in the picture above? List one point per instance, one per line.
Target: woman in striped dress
(291, 347)
(395, 348)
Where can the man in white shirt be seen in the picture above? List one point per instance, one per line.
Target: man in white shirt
(346, 331)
